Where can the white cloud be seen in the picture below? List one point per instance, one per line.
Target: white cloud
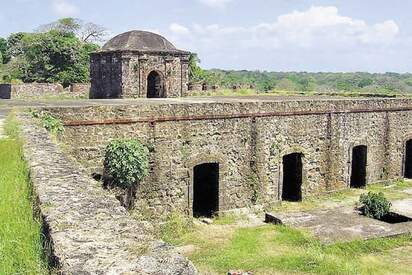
(178, 29)
(317, 34)
(215, 3)
(64, 8)
(317, 27)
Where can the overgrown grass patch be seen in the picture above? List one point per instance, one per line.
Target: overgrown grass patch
(393, 191)
(20, 232)
(274, 249)
(175, 228)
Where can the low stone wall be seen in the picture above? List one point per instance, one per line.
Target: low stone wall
(29, 90)
(80, 89)
(89, 231)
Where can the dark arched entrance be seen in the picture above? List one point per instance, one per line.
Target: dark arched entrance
(205, 189)
(292, 177)
(408, 160)
(155, 87)
(358, 169)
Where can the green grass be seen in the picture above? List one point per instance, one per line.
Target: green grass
(274, 249)
(392, 190)
(175, 227)
(20, 232)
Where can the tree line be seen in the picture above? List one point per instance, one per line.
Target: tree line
(323, 82)
(60, 52)
(56, 52)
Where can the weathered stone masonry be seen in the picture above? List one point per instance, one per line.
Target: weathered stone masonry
(29, 90)
(124, 67)
(90, 233)
(248, 138)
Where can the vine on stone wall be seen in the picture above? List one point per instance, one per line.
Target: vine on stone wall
(253, 182)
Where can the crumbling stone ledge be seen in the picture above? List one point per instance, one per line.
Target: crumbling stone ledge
(89, 231)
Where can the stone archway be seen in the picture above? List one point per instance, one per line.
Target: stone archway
(292, 177)
(358, 166)
(205, 189)
(408, 160)
(155, 85)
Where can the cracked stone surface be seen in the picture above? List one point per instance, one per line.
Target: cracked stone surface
(345, 223)
(403, 207)
(89, 230)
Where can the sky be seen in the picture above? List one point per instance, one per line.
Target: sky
(273, 35)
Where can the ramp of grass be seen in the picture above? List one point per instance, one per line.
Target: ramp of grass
(274, 249)
(20, 232)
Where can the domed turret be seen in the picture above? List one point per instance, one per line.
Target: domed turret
(138, 41)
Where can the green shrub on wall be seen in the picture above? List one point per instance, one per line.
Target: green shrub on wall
(375, 205)
(126, 162)
(50, 123)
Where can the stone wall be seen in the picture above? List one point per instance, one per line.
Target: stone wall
(248, 138)
(80, 89)
(90, 233)
(124, 74)
(29, 90)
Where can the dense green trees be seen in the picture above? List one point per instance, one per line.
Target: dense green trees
(57, 54)
(3, 48)
(304, 81)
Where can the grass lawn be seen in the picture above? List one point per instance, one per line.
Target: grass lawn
(275, 249)
(20, 233)
(230, 244)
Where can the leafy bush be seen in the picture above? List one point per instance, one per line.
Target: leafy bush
(126, 162)
(375, 205)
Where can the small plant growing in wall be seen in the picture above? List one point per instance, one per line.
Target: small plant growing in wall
(374, 205)
(126, 163)
(49, 122)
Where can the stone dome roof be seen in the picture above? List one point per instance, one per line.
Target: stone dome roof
(139, 41)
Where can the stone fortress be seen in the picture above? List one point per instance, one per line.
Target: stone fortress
(207, 154)
(217, 154)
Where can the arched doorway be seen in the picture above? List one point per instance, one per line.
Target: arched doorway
(408, 160)
(205, 189)
(358, 167)
(155, 87)
(292, 177)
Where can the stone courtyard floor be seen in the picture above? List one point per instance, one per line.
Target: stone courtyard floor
(340, 221)
(346, 224)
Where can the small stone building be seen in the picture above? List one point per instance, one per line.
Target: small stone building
(139, 64)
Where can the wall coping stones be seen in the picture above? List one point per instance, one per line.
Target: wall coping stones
(29, 90)
(147, 110)
(89, 231)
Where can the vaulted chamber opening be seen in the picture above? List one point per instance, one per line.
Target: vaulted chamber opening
(408, 160)
(205, 189)
(292, 177)
(155, 85)
(358, 167)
